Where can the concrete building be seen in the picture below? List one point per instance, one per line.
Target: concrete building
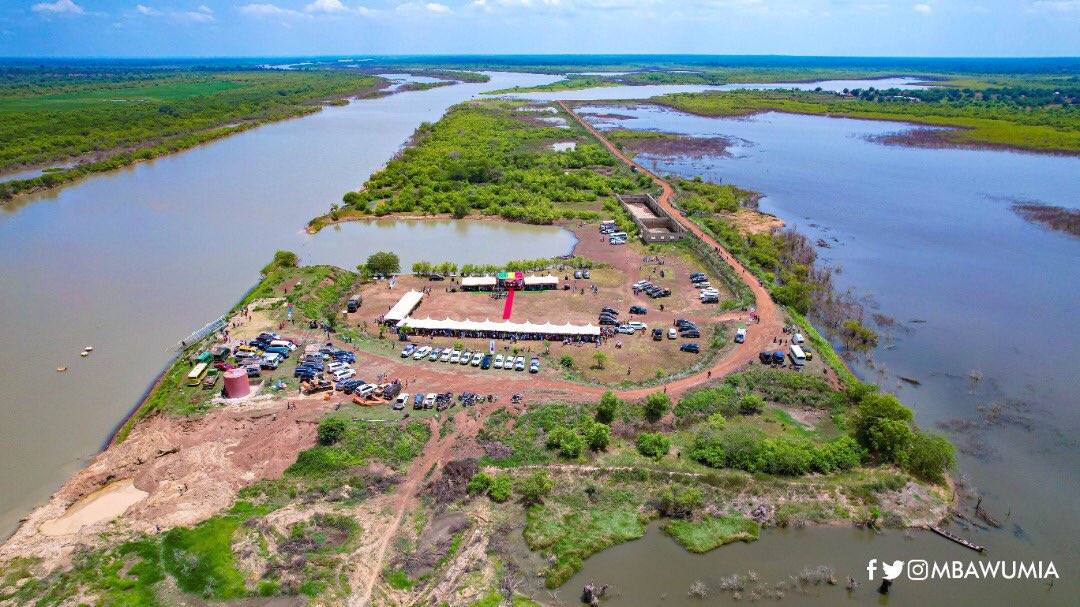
(655, 223)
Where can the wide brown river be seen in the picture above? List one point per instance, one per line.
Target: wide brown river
(132, 261)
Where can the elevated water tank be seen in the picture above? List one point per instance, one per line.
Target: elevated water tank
(236, 383)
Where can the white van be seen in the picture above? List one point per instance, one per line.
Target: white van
(740, 336)
(798, 356)
(401, 401)
(270, 360)
(282, 343)
(798, 339)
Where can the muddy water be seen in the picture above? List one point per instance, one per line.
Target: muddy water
(928, 236)
(132, 261)
(653, 90)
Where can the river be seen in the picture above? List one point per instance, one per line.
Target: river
(928, 236)
(132, 261)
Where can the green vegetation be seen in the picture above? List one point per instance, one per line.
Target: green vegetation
(653, 444)
(571, 536)
(711, 532)
(493, 158)
(358, 443)
(996, 122)
(383, 263)
(696, 195)
(201, 559)
(113, 118)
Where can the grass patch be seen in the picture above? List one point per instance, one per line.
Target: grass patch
(573, 536)
(711, 532)
(202, 561)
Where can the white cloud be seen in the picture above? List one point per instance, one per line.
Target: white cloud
(1054, 6)
(59, 7)
(203, 14)
(419, 8)
(925, 9)
(271, 10)
(326, 6)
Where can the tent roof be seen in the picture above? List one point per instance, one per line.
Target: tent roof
(502, 326)
(404, 306)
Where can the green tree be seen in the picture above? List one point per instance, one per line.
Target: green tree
(535, 487)
(331, 430)
(383, 262)
(656, 405)
(929, 456)
(608, 407)
(461, 209)
(282, 259)
(600, 359)
(881, 424)
(566, 361)
(653, 444)
(569, 443)
(598, 436)
(679, 502)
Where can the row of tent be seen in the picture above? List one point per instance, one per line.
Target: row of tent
(489, 326)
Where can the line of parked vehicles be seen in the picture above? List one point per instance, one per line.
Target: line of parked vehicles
(685, 329)
(653, 291)
(609, 229)
(709, 294)
(466, 358)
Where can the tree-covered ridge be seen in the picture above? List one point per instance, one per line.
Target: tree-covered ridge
(981, 118)
(114, 119)
(494, 158)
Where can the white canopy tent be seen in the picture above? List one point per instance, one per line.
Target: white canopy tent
(403, 307)
(489, 326)
(477, 281)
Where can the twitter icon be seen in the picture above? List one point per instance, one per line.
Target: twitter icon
(889, 571)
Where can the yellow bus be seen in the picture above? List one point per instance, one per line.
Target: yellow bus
(197, 374)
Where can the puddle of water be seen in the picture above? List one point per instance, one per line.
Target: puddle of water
(104, 504)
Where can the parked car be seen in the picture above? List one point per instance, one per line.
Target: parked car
(445, 356)
(429, 400)
(476, 359)
(534, 365)
(671, 333)
(270, 361)
(609, 310)
(778, 357)
(347, 385)
(691, 334)
(365, 390)
(343, 374)
(639, 310)
(519, 364)
(435, 354)
(335, 366)
(499, 361)
(401, 401)
(638, 325)
(740, 336)
(585, 274)
(809, 354)
(418, 402)
(455, 357)
(608, 320)
(253, 370)
(421, 352)
(765, 358)
(658, 334)
(408, 350)
(354, 303)
(577, 274)
(485, 362)
(692, 348)
(626, 329)
(508, 364)
(466, 357)
(798, 339)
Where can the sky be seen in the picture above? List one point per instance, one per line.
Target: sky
(208, 28)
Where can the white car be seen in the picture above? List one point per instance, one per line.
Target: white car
(364, 390)
(637, 325)
(627, 329)
(335, 367)
(429, 400)
(476, 358)
(401, 401)
(641, 283)
(519, 364)
(446, 354)
(465, 358)
(343, 374)
(672, 333)
(435, 354)
(798, 338)
(534, 365)
(498, 364)
(421, 352)
(455, 357)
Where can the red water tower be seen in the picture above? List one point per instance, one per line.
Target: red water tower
(236, 383)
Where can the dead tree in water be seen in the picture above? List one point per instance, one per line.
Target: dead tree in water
(591, 594)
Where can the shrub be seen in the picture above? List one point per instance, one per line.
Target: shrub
(534, 488)
(751, 404)
(501, 487)
(569, 443)
(331, 430)
(930, 456)
(383, 262)
(678, 502)
(656, 405)
(653, 444)
(566, 361)
(479, 484)
(608, 407)
(282, 259)
(598, 436)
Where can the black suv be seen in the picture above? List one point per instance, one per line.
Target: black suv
(639, 310)
(658, 334)
(693, 348)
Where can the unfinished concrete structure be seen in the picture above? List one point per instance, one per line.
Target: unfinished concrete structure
(655, 223)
